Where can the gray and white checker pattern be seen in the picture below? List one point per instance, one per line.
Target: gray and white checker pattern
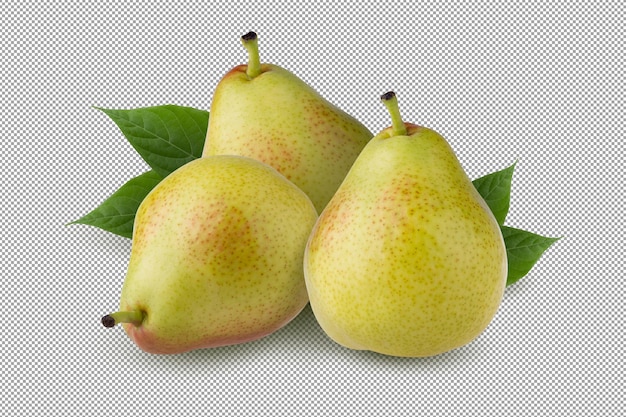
(538, 83)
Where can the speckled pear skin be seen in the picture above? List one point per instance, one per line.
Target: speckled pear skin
(407, 258)
(278, 119)
(217, 256)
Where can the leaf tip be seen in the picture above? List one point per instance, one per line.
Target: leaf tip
(512, 166)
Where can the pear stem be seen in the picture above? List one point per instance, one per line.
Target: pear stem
(134, 317)
(391, 102)
(251, 43)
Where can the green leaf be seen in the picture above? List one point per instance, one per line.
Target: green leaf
(166, 137)
(523, 250)
(495, 189)
(117, 213)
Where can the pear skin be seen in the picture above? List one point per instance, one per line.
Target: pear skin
(216, 258)
(265, 112)
(407, 258)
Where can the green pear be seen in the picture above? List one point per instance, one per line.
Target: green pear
(407, 258)
(216, 257)
(265, 112)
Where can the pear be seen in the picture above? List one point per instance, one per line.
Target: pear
(216, 257)
(265, 112)
(407, 258)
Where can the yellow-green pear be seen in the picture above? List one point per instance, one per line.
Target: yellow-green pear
(407, 258)
(265, 112)
(216, 257)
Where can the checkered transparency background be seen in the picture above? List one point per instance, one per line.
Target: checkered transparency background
(530, 82)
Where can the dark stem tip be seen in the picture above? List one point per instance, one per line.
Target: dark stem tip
(108, 321)
(388, 96)
(250, 36)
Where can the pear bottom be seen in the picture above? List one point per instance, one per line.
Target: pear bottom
(150, 341)
(410, 306)
(402, 333)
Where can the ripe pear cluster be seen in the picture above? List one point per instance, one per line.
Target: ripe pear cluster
(295, 201)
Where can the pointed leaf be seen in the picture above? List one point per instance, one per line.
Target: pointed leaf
(166, 137)
(523, 250)
(495, 189)
(117, 213)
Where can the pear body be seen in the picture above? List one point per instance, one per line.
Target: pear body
(407, 258)
(278, 119)
(216, 256)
